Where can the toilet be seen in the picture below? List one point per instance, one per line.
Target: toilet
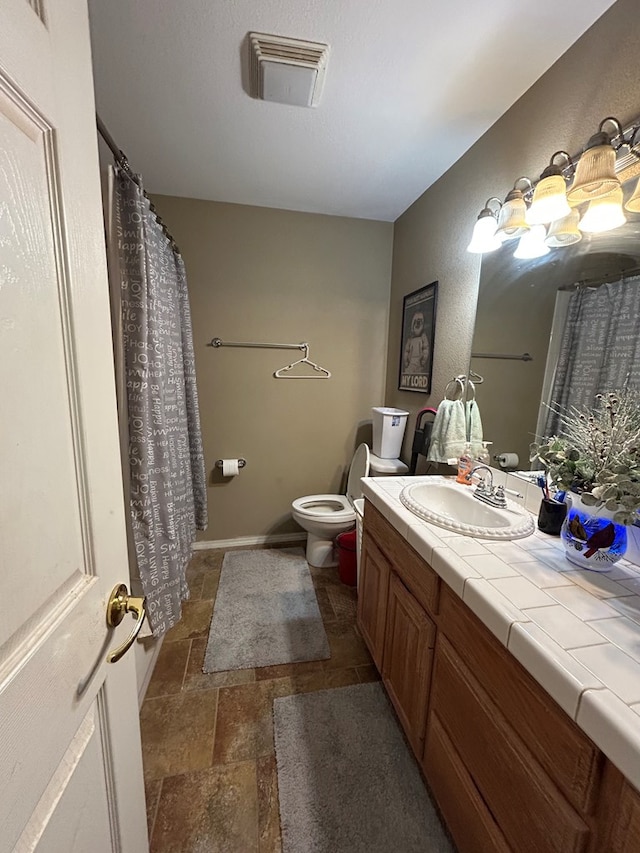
(326, 516)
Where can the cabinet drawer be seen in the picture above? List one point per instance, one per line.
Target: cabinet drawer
(563, 750)
(530, 810)
(470, 822)
(420, 578)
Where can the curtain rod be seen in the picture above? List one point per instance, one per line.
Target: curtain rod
(121, 159)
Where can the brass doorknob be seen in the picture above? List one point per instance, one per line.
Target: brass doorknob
(120, 603)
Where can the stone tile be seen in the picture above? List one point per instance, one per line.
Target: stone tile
(347, 646)
(284, 670)
(210, 584)
(269, 838)
(214, 810)
(203, 565)
(177, 733)
(195, 622)
(244, 727)
(368, 673)
(207, 560)
(152, 795)
(324, 577)
(324, 603)
(344, 602)
(196, 679)
(169, 669)
(244, 723)
(341, 677)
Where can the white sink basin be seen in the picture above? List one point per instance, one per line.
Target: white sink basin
(455, 508)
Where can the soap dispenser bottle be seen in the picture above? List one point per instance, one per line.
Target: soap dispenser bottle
(485, 454)
(465, 465)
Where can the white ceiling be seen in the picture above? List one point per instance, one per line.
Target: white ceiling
(410, 86)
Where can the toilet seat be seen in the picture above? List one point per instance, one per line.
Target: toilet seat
(326, 516)
(331, 509)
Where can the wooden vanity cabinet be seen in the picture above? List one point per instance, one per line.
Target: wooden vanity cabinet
(618, 818)
(397, 600)
(373, 592)
(408, 655)
(510, 771)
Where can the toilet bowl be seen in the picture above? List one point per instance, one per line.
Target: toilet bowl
(325, 516)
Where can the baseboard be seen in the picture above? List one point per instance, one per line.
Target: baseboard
(246, 541)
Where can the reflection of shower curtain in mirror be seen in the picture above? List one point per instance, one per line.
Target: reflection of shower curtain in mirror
(600, 346)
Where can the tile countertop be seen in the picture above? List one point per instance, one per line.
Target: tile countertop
(576, 631)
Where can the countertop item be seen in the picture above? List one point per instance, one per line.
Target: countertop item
(575, 631)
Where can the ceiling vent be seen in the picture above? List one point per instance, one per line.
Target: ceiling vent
(286, 70)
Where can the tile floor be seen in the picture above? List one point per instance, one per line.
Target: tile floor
(207, 740)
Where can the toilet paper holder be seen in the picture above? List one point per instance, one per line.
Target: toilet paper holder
(241, 463)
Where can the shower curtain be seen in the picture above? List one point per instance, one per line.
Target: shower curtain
(600, 346)
(163, 460)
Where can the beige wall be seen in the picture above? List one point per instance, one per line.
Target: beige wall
(257, 274)
(597, 77)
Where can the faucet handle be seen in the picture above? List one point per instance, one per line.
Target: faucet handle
(500, 499)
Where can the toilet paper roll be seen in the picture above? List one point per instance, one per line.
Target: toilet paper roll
(508, 460)
(230, 468)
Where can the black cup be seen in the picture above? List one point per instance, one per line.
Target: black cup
(551, 516)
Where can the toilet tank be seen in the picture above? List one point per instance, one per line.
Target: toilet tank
(388, 431)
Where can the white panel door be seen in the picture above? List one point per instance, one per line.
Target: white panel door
(70, 765)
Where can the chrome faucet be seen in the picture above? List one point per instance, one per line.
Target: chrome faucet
(486, 492)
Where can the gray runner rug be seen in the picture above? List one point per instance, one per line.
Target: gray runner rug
(347, 781)
(266, 612)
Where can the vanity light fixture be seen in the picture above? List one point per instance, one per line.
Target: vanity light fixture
(596, 181)
(565, 231)
(596, 170)
(512, 222)
(550, 195)
(633, 203)
(484, 237)
(532, 244)
(604, 214)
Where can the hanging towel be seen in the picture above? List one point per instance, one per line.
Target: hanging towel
(475, 428)
(449, 434)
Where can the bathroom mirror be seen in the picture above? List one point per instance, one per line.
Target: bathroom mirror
(515, 333)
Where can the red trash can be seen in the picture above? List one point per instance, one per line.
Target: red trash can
(347, 563)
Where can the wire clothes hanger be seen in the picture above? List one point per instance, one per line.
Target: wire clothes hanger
(283, 372)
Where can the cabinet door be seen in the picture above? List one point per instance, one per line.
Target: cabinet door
(408, 652)
(618, 817)
(532, 813)
(372, 598)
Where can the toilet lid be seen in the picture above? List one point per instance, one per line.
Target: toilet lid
(359, 468)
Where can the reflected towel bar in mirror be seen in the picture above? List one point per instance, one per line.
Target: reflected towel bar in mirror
(524, 357)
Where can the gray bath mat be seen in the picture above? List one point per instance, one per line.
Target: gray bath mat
(266, 612)
(347, 781)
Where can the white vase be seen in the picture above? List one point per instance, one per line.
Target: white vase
(592, 539)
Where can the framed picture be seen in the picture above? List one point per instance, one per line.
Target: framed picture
(418, 332)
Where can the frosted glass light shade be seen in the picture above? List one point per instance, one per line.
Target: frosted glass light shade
(633, 205)
(484, 237)
(532, 243)
(564, 232)
(595, 175)
(549, 201)
(604, 214)
(512, 222)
